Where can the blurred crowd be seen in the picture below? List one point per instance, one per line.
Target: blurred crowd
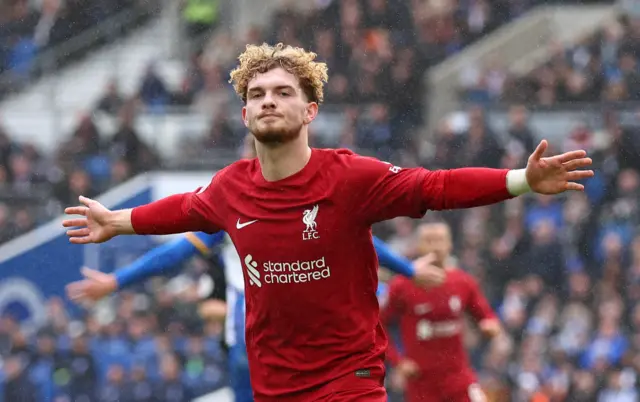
(600, 68)
(30, 28)
(36, 186)
(386, 44)
(377, 52)
(143, 346)
(563, 273)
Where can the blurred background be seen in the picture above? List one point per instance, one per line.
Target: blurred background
(129, 101)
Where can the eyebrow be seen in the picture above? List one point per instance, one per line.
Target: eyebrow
(279, 87)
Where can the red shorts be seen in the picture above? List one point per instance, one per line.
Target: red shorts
(452, 388)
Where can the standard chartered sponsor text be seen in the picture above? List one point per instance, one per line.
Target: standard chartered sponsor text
(288, 272)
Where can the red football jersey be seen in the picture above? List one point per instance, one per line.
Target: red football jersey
(310, 268)
(431, 322)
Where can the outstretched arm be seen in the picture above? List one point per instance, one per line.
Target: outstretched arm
(381, 191)
(181, 213)
(473, 187)
(167, 257)
(159, 261)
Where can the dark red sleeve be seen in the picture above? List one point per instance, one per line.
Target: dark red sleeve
(390, 314)
(181, 213)
(384, 191)
(477, 304)
(464, 188)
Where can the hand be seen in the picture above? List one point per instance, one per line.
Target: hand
(94, 227)
(213, 310)
(490, 328)
(407, 368)
(558, 173)
(427, 274)
(397, 382)
(93, 287)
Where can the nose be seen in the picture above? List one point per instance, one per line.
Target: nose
(268, 102)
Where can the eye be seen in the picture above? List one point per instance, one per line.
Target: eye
(284, 93)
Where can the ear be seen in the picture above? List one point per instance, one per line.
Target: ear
(311, 112)
(244, 116)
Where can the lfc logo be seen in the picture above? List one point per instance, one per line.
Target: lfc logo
(309, 219)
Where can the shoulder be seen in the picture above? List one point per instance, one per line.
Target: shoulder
(239, 167)
(463, 278)
(351, 164)
(233, 172)
(346, 156)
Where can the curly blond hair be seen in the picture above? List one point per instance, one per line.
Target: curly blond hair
(297, 61)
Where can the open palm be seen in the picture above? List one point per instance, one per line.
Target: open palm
(93, 287)
(92, 227)
(558, 173)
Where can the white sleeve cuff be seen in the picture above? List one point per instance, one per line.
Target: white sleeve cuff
(517, 182)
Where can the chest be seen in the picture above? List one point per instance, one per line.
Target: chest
(438, 304)
(290, 220)
(289, 238)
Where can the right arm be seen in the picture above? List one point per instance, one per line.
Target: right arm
(199, 211)
(178, 213)
(166, 258)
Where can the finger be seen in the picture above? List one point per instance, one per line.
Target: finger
(80, 240)
(75, 293)
(92, 273)
(76, 211)
(571, 186)
(578, 175)
(84, 232)
(74, 223)
(427, 259)
(569, 156)
(76, 290)
(577, 163)
(540, 150)
(86, 201)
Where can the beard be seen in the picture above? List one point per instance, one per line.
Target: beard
(275, 133)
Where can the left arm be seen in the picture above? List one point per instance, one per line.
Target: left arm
(382, 191)
(159, 261)
(478, 307)
(166, 257)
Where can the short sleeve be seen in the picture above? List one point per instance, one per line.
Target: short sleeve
(382, 191)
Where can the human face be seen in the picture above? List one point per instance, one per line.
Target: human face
(435, 238)
(277, 109)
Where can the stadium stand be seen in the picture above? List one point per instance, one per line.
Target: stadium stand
(562, 273)
(32, 36)
(602, 67)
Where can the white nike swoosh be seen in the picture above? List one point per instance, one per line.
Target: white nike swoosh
(242, 225)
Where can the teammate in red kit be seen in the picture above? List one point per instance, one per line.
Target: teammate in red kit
(300, 219)
(434, 366)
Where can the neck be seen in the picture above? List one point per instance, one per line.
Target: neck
(279, 161)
